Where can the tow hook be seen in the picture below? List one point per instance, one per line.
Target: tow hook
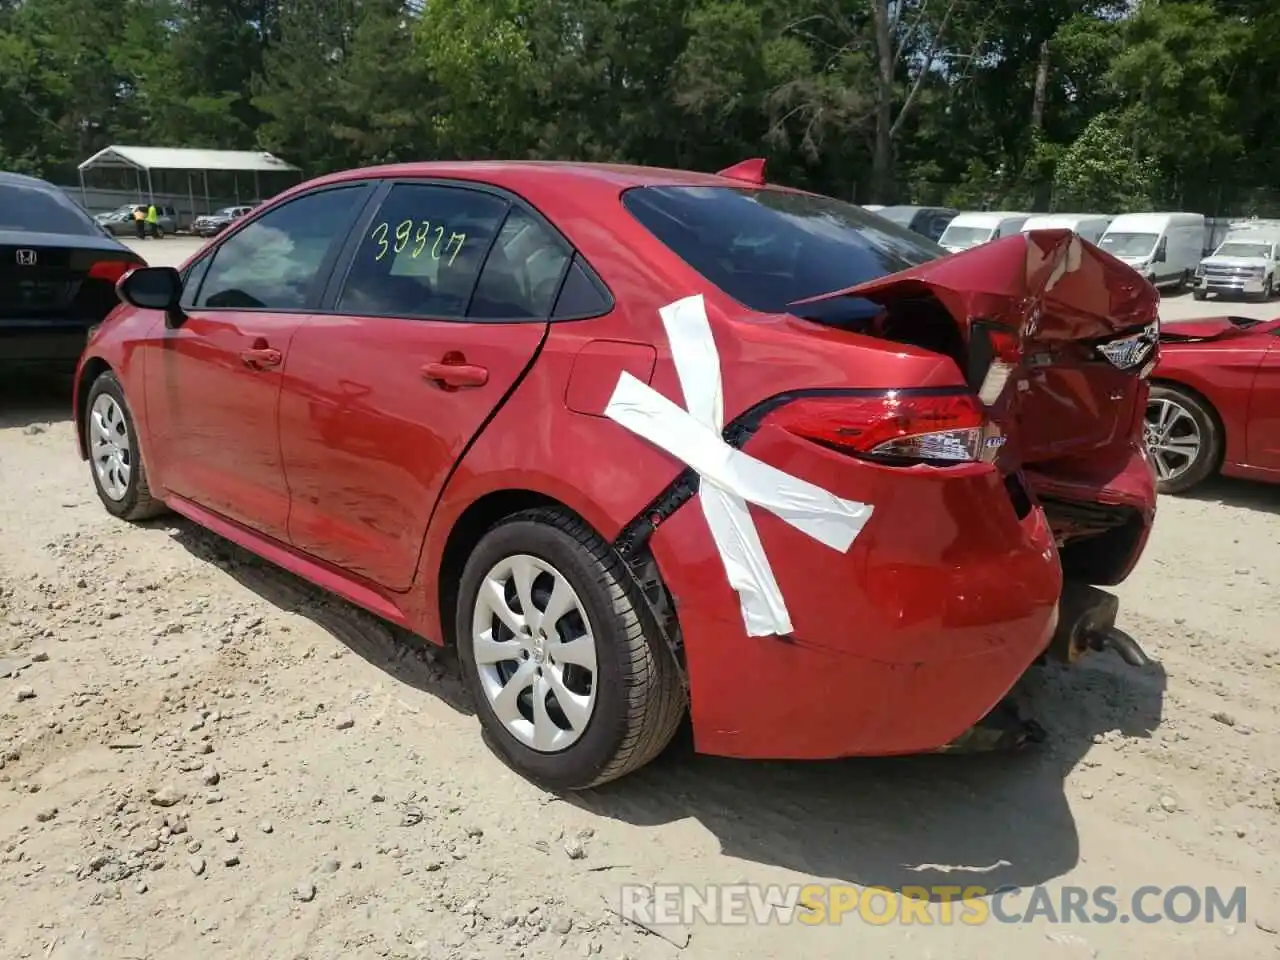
(1087, 621)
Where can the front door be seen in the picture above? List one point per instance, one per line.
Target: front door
(436, 323)
(213, 383)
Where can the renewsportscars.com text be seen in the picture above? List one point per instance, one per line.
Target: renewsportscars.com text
(818, 904)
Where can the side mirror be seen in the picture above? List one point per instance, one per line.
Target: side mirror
(154, 288)
(1160, 255)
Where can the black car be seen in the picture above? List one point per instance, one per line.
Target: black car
(58, 273)
(214, 223)
(929, 222)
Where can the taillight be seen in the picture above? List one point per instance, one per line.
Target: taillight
(110, 270)
(897, 425)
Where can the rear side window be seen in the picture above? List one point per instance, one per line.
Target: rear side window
(768, 248)
(33, 210)
(582, 295)
(522, 273)
(422, 253)
(274, 262)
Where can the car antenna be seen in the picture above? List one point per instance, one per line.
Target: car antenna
(748, 171)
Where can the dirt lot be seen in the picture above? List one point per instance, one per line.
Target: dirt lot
(204, 757)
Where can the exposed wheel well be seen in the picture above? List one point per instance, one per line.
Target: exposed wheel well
(93, 369)
(466, 533)
(1209, 408)
(487, 511)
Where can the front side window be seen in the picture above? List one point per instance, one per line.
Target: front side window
(274, 262)
(421, 252)
(769, 248)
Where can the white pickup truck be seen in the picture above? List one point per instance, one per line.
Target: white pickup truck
(1246, 264)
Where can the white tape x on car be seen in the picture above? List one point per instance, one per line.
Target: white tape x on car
(729, 478)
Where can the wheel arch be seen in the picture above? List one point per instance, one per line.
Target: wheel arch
(90, 370)
(1210, 408)
(489, 509)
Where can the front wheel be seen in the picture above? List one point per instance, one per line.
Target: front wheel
(119, 475)
(1183, 437)
(1268, 291)
(573, 682)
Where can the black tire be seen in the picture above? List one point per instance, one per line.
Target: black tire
(640, 696)
(1268, 291)
(1199, 294)
(1210, 454)
(137, 502)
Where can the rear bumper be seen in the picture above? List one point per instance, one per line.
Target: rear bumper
(55, 343)
(900, 645)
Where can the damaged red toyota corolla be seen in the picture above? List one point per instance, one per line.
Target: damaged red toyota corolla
(647, 443)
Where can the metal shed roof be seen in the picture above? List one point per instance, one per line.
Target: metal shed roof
(173, 158)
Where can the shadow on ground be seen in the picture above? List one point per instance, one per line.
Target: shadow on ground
(1238, 493)
(404, 657)
(32, 400)
(988, 820)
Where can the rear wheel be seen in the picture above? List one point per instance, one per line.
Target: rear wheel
(573, 682)
(119, 475)
(1183, 437)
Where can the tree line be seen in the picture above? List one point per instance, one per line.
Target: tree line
(1030, 104)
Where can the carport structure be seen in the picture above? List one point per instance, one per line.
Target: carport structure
(169, 173)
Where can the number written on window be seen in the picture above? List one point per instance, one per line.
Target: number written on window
(419, 237)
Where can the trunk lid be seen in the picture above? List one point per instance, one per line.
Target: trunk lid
(51, 275)
(1055, 335)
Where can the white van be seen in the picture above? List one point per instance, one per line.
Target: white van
(974, 228)
(1164, 247)
(1090, 226)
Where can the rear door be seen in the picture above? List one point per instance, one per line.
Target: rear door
(443, 309)
(213, 383)
(1264, 410)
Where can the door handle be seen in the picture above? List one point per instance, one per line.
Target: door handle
(261, 357)
(452, 376)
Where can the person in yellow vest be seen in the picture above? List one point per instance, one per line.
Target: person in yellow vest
(153, 221)
(140, 221)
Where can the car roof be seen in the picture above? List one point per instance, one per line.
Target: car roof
(22, 180)
(604, 178)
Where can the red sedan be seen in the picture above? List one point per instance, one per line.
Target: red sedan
(1215, 402)
(648, 443)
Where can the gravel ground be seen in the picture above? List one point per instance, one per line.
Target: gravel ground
(201, 756)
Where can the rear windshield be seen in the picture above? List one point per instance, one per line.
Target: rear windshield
(32, 210)
(768, 248)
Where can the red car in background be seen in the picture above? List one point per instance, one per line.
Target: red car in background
(647, 443)
(1215, 402)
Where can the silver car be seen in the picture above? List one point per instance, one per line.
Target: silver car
(120, 223)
